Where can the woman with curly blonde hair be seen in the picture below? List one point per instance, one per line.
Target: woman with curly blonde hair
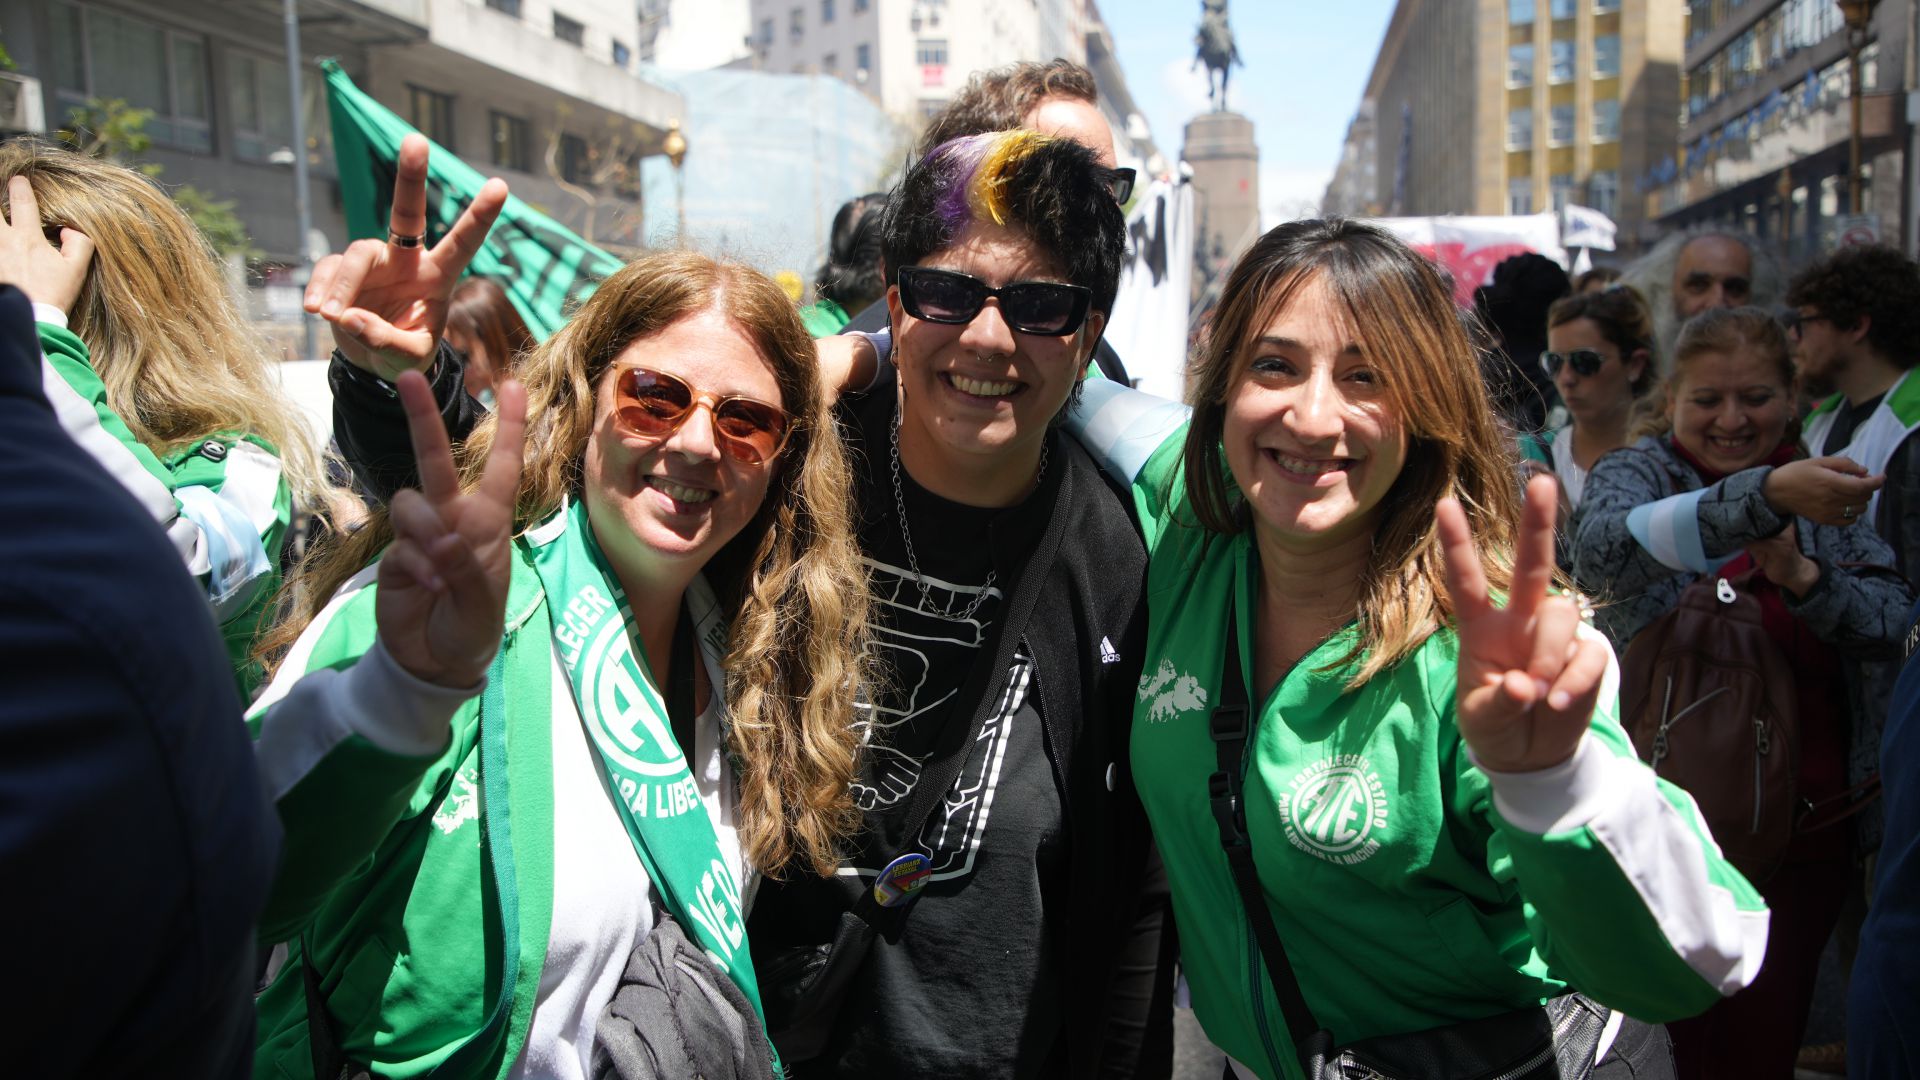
(160, 375)
(664, 720)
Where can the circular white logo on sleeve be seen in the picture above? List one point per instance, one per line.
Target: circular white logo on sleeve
(1335, 809)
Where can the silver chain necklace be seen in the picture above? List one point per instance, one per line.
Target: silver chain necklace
(906, 535)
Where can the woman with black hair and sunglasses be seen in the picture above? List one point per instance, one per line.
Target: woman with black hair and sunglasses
(990, 897)
(1600, 355)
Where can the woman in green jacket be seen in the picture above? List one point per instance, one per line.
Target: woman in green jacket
(1446, 821)
(156, 372)
(466, 874)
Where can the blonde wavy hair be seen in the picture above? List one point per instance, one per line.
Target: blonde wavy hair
(163, 330)
(1403, 312)
(792, 578)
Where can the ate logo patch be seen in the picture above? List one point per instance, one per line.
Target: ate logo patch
(1335, 809)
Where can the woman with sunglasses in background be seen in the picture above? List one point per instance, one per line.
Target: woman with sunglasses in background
(1600, 357)
(665, 720)
(1718, 485)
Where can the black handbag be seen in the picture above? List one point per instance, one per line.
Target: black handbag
(1554, 1041)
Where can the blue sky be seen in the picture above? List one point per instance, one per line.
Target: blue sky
(1306, 64)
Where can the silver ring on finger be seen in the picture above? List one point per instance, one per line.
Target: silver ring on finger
(401, 241)
(1848, 512)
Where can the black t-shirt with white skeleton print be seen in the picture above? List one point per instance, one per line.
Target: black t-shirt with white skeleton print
(973, 987)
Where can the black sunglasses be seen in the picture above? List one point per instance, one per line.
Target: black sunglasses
(1585, 362)
(1052, 308)
(1121, 181)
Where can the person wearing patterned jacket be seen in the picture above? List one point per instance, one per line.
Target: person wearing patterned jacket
(1725, 490)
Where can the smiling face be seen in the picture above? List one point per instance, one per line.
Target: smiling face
(1729, 409)
(661, 507)
(1605, 395)
(1310, 435)
(980, 395)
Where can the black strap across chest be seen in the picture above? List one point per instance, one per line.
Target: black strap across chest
(1230, 725)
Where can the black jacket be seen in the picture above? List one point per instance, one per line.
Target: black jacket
(136, 842)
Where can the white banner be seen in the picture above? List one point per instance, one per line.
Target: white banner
(1470, 247)
(1149, 324)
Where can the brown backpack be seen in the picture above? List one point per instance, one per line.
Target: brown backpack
(1709, 700)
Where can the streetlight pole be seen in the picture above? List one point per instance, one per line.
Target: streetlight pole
(675, 146)
(1859, 16)
(302, 191)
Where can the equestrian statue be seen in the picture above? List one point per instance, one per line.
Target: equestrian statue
(1216, 49)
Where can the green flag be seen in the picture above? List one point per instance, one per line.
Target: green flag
(546, 268)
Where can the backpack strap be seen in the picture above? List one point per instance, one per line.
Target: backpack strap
(1230, 726)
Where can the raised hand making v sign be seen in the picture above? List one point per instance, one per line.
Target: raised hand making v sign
(1528, 681)
(443, 583)
(387, 300)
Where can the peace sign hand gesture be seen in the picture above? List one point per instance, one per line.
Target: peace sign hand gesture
(387, 300)
(441, 606)
(1527, 682)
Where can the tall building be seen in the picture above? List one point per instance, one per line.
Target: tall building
(1765, 145)
(1515, 106)
(540, 92)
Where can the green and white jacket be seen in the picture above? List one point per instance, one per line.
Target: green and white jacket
(384, 881)
(1411, 888)
(223, 502)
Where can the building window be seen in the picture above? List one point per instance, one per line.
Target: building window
(257, 99)
(431, 112)
(1560, 190)
(567, 30)
(862, 58)
(1560, 126)
(1605, 7)
(826, 12)
(1606, 56)
(796, 22)
(99, 54)
(511, 146)
(1520, 64)
(1606, 120)
(830, 64)
(1560, 62)
(766, 32)
(931, 52)
(1520, 12)
(1519, 129)
(860, 6)
(575, 164)
(1562, 9)
(506, 7)
(1520, 195)
(622, 56)
(1603, 191)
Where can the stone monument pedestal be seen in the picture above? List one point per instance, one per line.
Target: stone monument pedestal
(1226, 184)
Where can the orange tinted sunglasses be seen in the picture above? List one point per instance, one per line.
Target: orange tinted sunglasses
(653, 405)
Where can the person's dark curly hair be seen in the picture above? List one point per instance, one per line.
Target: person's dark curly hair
(1000, 99)
(1871, 281)
(1048, 188)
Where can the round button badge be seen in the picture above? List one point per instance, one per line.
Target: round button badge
(902, 879)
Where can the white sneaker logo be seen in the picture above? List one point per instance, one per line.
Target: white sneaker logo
(1169, 693)
(1108, 654)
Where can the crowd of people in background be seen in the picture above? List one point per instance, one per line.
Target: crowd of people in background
(723, 687)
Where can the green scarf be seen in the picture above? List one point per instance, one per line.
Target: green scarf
(626, 719)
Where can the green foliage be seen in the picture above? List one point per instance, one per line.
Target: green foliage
(110, 128)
